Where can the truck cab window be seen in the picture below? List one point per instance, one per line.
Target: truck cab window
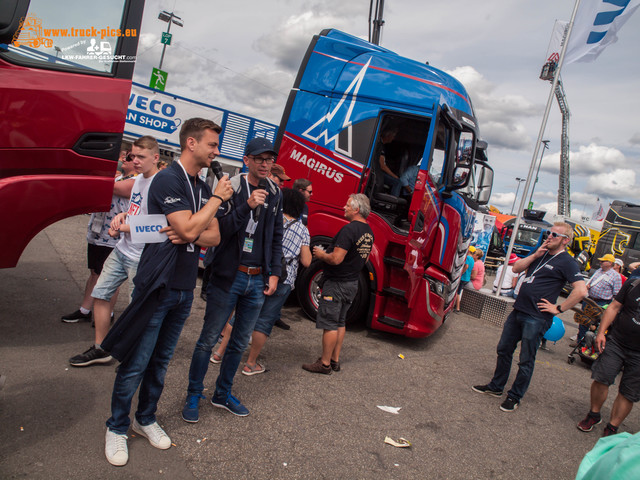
(436, 165)
(83, 36)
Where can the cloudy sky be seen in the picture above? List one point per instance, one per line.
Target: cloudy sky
(244, 55)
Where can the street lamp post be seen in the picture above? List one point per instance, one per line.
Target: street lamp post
(170, 18)
(546, 145)
(518, 179)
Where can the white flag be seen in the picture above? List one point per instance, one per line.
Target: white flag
(598, 213)
(557, 40)
(595, 27)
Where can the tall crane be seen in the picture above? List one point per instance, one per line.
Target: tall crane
(564, 184)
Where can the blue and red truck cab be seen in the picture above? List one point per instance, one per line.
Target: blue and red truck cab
(347, 94)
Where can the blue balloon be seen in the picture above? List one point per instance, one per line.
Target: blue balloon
(556, 330)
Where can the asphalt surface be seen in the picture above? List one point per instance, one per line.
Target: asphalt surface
(301, 426)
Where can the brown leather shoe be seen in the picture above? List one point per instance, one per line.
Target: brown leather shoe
(317, 367)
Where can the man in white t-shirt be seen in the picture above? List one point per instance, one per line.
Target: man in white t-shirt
(122, 263)
(510, 278)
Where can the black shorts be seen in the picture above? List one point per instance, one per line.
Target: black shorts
(96, 255)
(611, 361)
(335, 301)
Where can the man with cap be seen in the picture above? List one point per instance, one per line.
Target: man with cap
(618, 266)
(603, 286)
(246, 267)
(510, 278)
(278, 175)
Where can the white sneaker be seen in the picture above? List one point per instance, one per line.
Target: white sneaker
(574, 338)
(115, 448)
(154, 433)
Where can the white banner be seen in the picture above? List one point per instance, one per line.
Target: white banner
(146, 228)
(595, 27)
(160, 115)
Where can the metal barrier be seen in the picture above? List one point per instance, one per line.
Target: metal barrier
(485, 305)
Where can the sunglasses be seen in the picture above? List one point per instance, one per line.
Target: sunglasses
(556, 235)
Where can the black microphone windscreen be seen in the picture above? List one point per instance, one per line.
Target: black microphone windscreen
(262, 184)
(217, 169)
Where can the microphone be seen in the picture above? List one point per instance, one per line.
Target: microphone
(256, 212)
(216, 168)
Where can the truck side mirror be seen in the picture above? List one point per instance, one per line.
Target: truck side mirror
(12, 15)
(484, 179)
(460, 177)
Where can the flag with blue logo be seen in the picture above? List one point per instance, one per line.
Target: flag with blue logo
(595, 27)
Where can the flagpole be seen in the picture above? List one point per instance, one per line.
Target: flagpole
(543, 126)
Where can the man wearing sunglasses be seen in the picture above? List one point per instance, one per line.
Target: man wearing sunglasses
(547, 271)
(305, 187)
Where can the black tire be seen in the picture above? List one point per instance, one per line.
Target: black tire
(570, 360)
(309, 294)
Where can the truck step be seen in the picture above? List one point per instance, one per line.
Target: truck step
(394, 261)
(394, 292)
(392, 322)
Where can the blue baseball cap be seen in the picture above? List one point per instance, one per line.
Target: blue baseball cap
(259, 145)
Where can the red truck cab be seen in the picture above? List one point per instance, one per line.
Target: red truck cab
(350, 97)
(63, 113)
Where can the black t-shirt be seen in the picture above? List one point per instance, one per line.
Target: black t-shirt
(545, 278)
(627, 323)
(357, 239)
(393, 153)
(171, 193)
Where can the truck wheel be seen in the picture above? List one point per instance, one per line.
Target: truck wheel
(309, 294)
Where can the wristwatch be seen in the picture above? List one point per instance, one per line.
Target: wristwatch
(559, 309)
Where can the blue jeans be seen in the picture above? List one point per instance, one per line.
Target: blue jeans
(246, 295)
(148, 364)
(394, 184)
(519, 327)
(271, 308)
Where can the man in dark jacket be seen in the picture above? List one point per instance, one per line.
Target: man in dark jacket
(190, 208)
(246, 267)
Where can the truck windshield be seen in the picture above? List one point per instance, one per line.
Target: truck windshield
(527, 238)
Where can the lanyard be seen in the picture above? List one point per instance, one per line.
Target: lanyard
(543, 264)
(196, 206)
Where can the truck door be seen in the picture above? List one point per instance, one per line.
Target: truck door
(66, 80)
(426, 206)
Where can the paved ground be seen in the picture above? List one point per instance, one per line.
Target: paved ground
(301, 425)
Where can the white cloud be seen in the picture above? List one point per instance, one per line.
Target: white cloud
(588, 160)
(287, 42)
(505, 135)
(503, 201)
(500, 116)
(619, 183)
